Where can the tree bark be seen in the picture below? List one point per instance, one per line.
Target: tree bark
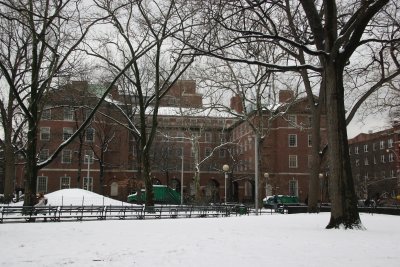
(343, 198)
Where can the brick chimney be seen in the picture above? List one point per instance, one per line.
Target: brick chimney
(236, 103)
(285, 96)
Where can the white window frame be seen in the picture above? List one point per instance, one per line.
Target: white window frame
(292, 120)
(67, 132)
(66, 156)
(68, 114)
(382, 144)
(292, 140)
(383, 158)
(391, 157)
(293, 162)
(366, 148)
(41, 184)
(43, 154)
(65, 182)
(45, 133)
(46, 114)
(390, 143)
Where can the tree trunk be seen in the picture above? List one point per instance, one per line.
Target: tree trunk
(9, 167)
(344, 211)
(147, 180)
(31, 165)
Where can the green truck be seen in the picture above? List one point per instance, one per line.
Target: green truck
(280, 200)
(162, 195)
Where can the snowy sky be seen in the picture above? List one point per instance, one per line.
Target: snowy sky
(267, 240)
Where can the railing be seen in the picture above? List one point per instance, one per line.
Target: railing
(80, 213)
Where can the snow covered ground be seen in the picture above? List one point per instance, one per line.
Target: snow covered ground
(268, 240)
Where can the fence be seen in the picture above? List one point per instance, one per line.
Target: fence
(110, 212)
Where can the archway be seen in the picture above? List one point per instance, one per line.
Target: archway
(114, 189)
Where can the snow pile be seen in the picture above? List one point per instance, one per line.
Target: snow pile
(79, 197)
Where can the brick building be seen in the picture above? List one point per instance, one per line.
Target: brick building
(375, 163)
(104, 157)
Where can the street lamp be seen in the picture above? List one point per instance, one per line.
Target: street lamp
(225, 168)
(266, 176)
(88, 171)
(182, 180)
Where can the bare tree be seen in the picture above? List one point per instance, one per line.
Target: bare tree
(332, 33)
(44, 41)
(143, 32)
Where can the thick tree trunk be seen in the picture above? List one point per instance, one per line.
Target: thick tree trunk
(344, 211)
(147, 181)
(31, 166)
(9, 170)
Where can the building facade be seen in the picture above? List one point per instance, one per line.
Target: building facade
(191, 139)
(375, 163)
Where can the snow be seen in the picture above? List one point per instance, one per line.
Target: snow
(277, 239)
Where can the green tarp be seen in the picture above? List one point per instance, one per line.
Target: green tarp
(162, 195)
(281, 199)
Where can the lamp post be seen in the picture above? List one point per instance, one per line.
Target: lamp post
(182, 180)
(225, 168)
(88, 171)
(266, 176)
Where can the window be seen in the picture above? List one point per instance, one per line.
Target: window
(292, 140)
(366, 161)
(292, 161)
(208, 137)
(390, 142)
(309, 140)
(391, 157)
(310, 160)
(365, 148)
(382, 145)
(67, 132)
(383, 173)
(310, 121)
(293, 187)
(357, 162)
(374, 146)
(292, 120)
(374, 160)
(356, 150)
(89, 135)
(65, 182)
(383, 158)
(43, 154)
(392, 173)
(88, 157)
(66, 156)
(45, 133)
(46, 114)
(68, 114)
(41, 185)
(88, 183)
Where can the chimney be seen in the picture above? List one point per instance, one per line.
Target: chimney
(236, 103)
(285, 96)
